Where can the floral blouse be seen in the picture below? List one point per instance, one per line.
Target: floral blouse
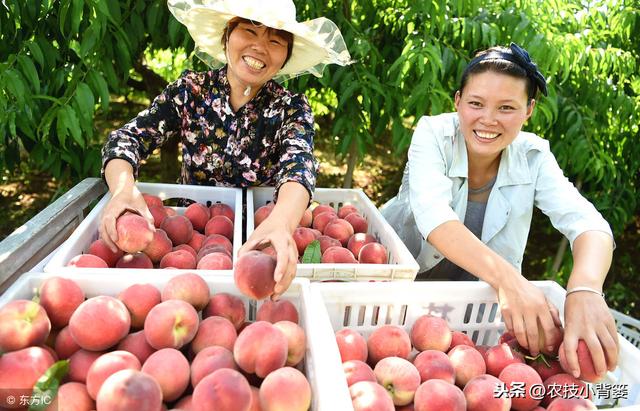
(268, 141)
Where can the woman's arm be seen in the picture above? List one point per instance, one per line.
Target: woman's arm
(522, 304)
(587, 316)
(277, 230)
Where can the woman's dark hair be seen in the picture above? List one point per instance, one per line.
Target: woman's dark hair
(489, 60)
(233, 23)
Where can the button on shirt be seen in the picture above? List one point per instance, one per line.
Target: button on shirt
(268, 141)
(435, 187)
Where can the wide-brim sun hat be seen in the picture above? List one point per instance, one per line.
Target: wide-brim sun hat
(316, 43)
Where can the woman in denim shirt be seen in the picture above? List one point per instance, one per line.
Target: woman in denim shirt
(466, 201)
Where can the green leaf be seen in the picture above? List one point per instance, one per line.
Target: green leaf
(15, 85)
(77, 9)
(89, 39)
(46, 387)
(85, 99)
(64, 11)
(36, 53)
(30, 72)
(312, 254)
(100, 87)
(74, 125)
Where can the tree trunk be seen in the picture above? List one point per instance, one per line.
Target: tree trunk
(351, 164)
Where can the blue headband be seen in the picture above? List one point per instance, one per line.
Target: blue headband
(520, 57)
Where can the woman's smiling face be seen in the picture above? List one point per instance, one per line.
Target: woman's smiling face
(255, 53)
(492, 109)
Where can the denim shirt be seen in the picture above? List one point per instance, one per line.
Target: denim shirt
(435, 187)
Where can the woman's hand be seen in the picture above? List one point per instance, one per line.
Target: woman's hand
(588, 318)
(527, 313)
(129, 199)
(277, 233)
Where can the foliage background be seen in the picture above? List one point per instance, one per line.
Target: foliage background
(72, 69)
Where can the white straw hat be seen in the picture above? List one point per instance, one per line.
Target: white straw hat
(317, 42)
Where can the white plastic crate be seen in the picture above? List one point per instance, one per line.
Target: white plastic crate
(628, 327)
(401, 266)
(327, 393)
(469, 306)
(87, 231)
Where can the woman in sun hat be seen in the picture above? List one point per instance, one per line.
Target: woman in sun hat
(237, 125)
(467, 197)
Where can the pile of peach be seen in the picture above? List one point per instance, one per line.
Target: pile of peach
(201, 238)
(342, 236)
(434, 368)
(147, 349)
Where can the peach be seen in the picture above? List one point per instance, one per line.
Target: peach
(87, 261)
(210, 249)
(255, 399)
(60, 297)
(431, 333)
(321, 220)
(352, 345)
(399, 377)
(270, 251)
(136, 343)
(274, 311)
(556, 336)
(546, 368)
(139, 300)
(219, 224)
(99, 323)
(326, 242)
(587, 369)
(187, 248)
(184, 404)
(322, 208)
(480, 394)
(564, 386)
(171, 370)
(72, 396)
(262, 213)
(388, 341)
(434, 364)
(137, 260)
(218, 239)
(316, 232)
(499, 356)
(79, 364)
(215, 261)
(196, 241)
(214, 331)
(100, 249)
(521, 373)
(187, 287)
(178, 228)
(19, 371)
(356, 371)
(222, 209)
(285, 389)
(128, 390)
(159, 246)
(357, 241)
(65, 346)
(134, 233)
(106, 365)
(253, 274)
(303, 237)
(228, 306)
(370, 396)
(209, 360)
(338, 255)
(152, 200)
(170, 211)
(373, 253)
(346, 209)
(296, 341)
(571, 404)
(358, 222)
(198, 214)
(438, 395)
(171, 324)
(260, 348)
(159, 213)
(339, 229)
(467, 363)
(180, 259)
(306, 219)
(222, 390)
(460, 338)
